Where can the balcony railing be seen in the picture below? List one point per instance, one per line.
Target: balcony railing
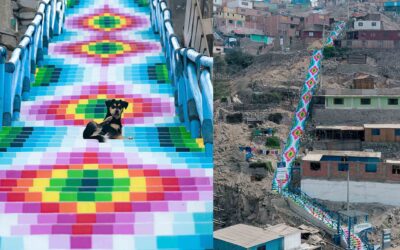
(190, 74)
(17, 74)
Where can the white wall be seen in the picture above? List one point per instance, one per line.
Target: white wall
(241, 4)
(367, 25)
(365, 192)
(293, 241)
(217, 2)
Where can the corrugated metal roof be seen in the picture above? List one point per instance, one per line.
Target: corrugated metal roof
(356, 128)
(360, 92)
(317, 154)
(245, 235)
(381, 125)
(283, 229)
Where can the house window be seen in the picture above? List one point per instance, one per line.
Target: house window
(338, 101)
(370, 168)
(230, 21)
(315, 166)
(376, 131)
(373, 24)
(395, 169)
(393, 101)
(343, 167)
(310, 34)
(262, 248)
(360, 24)
(397, 132)
(365, 101)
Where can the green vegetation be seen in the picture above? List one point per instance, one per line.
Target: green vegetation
(266, 97)
(239, 58)
(275, 117)
(331, 52)
(265, 165)
(273, 142)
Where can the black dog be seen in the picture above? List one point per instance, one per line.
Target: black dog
(111, 126)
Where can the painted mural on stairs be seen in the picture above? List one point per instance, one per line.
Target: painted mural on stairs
(283, 172)
(58, 191)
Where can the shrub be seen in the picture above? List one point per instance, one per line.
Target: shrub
(265, 165)
(275, 117)
(239, 58)
(273, 142)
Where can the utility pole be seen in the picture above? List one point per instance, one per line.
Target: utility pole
(348, 10)
(348, 189)
(348, 205)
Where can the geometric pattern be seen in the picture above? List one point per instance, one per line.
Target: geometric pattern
(157, 73)
(293, 145)
(79, 110)
(293, 141)
(106, 50)
(51, 74)
(59, 191)
(107, 19)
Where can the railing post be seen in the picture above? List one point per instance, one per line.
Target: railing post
(194, 101)
(17, 74)
(26, 69)
(8, 95)
(3, 56)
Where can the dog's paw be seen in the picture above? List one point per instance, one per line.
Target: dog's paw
(108, 119)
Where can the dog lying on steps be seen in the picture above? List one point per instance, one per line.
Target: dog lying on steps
(111, 126)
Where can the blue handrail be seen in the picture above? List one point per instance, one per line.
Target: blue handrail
(190, 74)
(18, 73)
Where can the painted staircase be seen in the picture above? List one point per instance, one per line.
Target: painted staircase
(283, 172)
(58, 191)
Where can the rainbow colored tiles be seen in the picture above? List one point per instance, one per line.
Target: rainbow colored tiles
(105, 50)
(58, 191)
(107, 19)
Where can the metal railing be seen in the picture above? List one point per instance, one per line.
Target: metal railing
(190, 73)
(18, 73)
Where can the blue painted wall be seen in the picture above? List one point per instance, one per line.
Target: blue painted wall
(276, 244)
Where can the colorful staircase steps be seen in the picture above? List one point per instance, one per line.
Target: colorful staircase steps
(58, 191)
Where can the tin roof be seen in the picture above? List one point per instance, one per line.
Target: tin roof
(245, 235)
(381, 125)
(343, 128)
(360, 92)
(317, 154)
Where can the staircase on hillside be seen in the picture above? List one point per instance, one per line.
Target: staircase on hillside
(58, 191)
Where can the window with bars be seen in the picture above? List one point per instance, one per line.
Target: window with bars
(343, 167)
(396, 169)
(315, 166)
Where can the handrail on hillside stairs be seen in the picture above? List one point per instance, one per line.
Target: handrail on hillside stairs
(190, 73)
(18, 73)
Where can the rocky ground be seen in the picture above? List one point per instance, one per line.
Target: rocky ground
(269, 85)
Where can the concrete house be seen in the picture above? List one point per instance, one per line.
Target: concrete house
(241, 236)
(324, 175)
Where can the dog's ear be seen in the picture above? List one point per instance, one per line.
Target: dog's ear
(124, 104)
(109, 102)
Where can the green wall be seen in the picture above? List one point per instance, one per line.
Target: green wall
(350, 102)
